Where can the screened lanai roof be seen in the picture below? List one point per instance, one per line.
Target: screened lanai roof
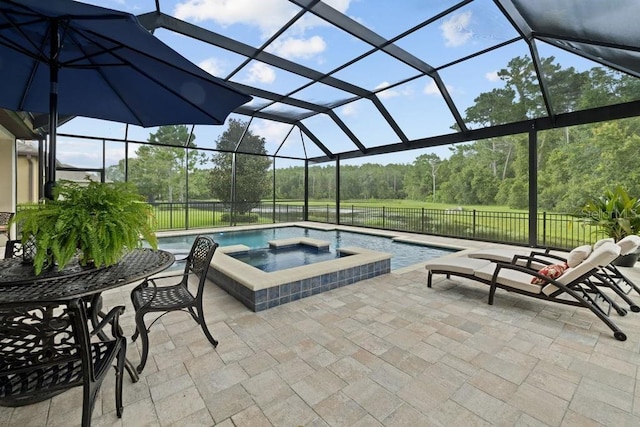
(350, 78)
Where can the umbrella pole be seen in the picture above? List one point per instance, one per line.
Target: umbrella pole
(53, 109)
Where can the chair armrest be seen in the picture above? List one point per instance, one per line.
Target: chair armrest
(517, 267)
(111, 318)
(547, 254)
(529, 259)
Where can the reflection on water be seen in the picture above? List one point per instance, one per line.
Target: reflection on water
(283, 258)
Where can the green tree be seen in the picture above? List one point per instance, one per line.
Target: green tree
(252, 181)
(422, 178)
(160, 171)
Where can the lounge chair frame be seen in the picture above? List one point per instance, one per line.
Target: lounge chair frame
(582, 289)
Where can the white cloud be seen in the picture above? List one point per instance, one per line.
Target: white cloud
(309, 20)
(431, 88)
(260, 72)
(492, 76)
(349, 109)
(455, 29)
(272, 132)
(291, 48)
(213, 66)
(386, 94)
(267, 15)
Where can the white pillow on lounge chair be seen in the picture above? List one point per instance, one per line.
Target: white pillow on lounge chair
(600, 257)
(600, 242)
(577, 255)
(629, 244)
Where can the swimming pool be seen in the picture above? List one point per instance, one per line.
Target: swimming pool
(404, 254)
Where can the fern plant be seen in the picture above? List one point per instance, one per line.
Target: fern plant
(99, 222)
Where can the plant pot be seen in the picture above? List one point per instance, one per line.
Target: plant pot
(628, 260)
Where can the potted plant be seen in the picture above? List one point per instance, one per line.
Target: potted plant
(615, 214)
(97, 222)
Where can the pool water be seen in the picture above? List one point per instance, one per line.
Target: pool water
(283, 258)
(404, 254)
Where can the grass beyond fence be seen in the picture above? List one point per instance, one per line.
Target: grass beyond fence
(553, 230)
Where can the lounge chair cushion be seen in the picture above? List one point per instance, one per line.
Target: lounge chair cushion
(457, 265)
(577, 255)
(629, 244)
(496, 254)
(600, 242)
(509, 278)
(551, 271)
(600, 257)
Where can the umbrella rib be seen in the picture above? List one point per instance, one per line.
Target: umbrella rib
(18, 28)
(87, 47)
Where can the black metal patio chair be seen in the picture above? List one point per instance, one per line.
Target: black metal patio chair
(48, 348)
(165, 299)
(13, 249)
(5, 218)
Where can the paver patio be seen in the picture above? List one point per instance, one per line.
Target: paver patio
(385, 351)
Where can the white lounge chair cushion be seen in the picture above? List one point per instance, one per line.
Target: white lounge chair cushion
(577, 255)
(600, 257)
(497, 254)
(511, 278)
(458, 265)
(629, 244)
(600, 242)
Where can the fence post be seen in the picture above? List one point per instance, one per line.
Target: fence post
(544, 229)
(352, 219)
(171, 215)
(474, 224)
(422, 221)
(384, 217)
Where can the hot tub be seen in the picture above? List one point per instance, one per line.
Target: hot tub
(260, 290)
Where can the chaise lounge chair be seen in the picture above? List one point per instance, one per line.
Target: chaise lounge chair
(609, 276)
(573, 287)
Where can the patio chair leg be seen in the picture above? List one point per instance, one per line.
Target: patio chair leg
(119, 374)
(429, 279)
(205, 329)
(142, 330)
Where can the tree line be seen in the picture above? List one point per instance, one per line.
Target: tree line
(574, 163)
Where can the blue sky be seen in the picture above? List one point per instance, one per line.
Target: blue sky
(417, 106)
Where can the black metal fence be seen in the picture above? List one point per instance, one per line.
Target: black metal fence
(554, 230)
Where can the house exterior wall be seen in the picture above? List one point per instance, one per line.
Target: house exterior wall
(7, 174)
(27, 178)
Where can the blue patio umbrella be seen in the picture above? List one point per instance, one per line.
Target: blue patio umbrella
(61, 57)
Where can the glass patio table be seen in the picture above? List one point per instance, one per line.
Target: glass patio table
(18, 282)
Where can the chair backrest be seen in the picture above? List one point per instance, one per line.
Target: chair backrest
(5, 217)
(629, 244)
(13, 249)
(200, 255)
(600, 257)
(38, 341)
(199, 260)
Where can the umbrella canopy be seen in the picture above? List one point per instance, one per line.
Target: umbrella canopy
(69, 58)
